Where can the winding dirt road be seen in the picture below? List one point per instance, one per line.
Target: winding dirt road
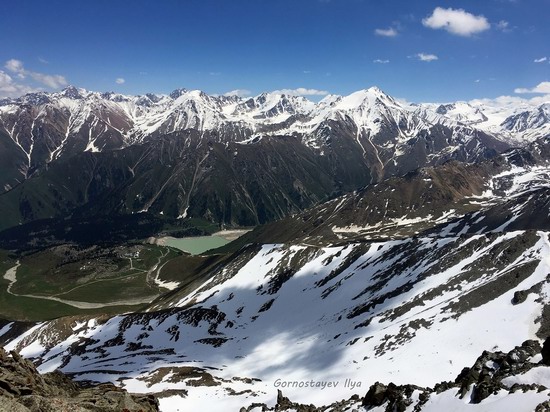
(11, 276)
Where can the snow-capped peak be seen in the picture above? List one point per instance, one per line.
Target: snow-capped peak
(177, 93)
(71, 92)
(276, 106)
(462, 112)
(366, 98)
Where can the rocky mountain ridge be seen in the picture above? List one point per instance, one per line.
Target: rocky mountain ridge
(23, 389)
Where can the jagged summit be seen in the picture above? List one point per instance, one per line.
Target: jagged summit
(72, 92)
(177, 93)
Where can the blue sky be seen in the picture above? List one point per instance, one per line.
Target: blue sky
(418, 50)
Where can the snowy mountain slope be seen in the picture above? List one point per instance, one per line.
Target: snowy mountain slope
(497, 381)
(525, 205)
(462, 112)
(529, 123)
(390, 135)
(517, 123)
(399, 310)
(370, 110)
(270, 107)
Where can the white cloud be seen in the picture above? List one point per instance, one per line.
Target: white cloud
(512, 102)
(380, 61)
(424, 57)
(456, 21)
(120, 80)
(53, 81)
(239, 93)
(542, 87)
(301, 91)
(501, 101)
(538, 100)
(541, 60)
(9, 88)
(389, 32)
(15, 66)
(504, 26)
(403, 101)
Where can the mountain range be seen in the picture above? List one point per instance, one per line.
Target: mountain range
(225, 159)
